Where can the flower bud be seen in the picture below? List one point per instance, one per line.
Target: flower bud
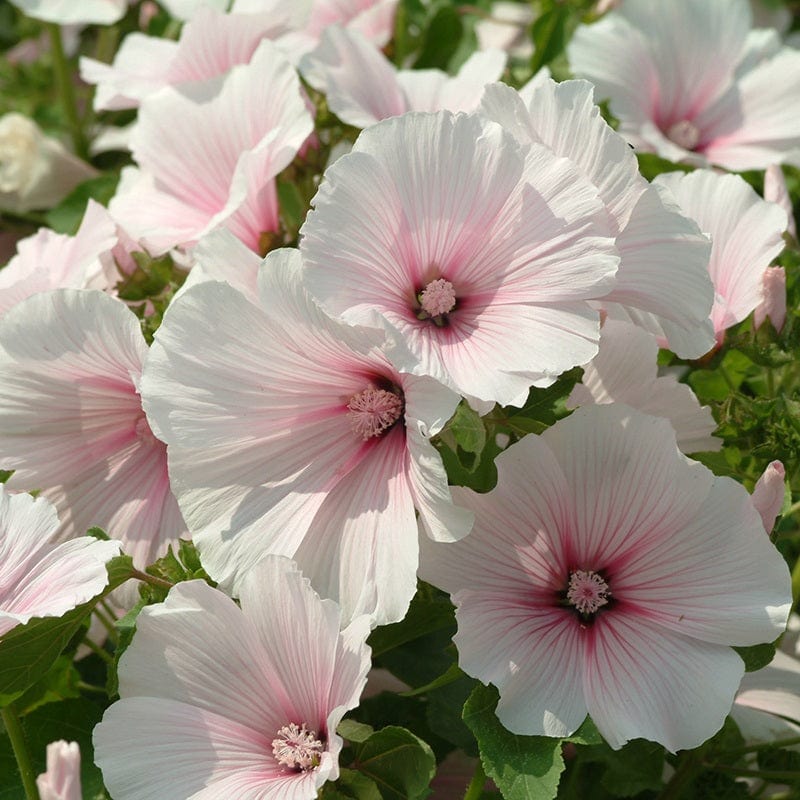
(768, 493)
(774, 303)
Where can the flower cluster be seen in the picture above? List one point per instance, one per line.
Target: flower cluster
(377, 336)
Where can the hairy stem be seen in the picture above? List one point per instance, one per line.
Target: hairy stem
(21, 753)
(66, 91)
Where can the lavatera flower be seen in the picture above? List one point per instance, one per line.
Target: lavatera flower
(481, 252)
(219, 701)
(72, 424)
(289, 433)
(608, 574)
(40, 577)
(691, 81)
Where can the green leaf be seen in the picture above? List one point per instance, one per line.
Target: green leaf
(28, 651)
(549, 35)
(716, 786)
(717, 384)
(400, 763)
(71, 720)
(756, 656)
(430, 611)
(586, 734)
(406, 712)
(774, 759)
(444, 714)
(119, 569)
(174, 569)
(441, 39)
(126, 627)
(351, 785)
(523, 767)
(453, 673)
(67, 215)
(635, 768)
(60, 682)
(292, 205)
(354, 731)
(651, 165)
(151, 277)
(467, 429)
(478, 472)
(543, 407)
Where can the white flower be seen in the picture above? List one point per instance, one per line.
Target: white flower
(36, 171)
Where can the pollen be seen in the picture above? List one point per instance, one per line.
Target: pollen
(373, 411)
(587, 591)
(438, 298)
(685, 134)
(297, 747)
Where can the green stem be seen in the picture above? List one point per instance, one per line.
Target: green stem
(688, 766)
(775, 776)
(67, 91)
(26, 218)
(107, 41)
(20, 747)
(753, 748)
(173, 29)
(89, 687)
(97, 650)
(796, 583)
(770, 382)
(476, 784)
(793, 509)
(151, 579)
(105, 616)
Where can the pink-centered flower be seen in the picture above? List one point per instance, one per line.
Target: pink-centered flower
(292, 434)
(692, 82)
(62, 781)
(50, 260)
(248, 698)
(98, 256)
(607, 574)
(72, 424)
(662, 284)
(373, 19)
(363, 87)
(625, 371)
(209, 45)
(40, 577)
(746, 234)
(220, 256)
(210, 159)
(483, 254)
